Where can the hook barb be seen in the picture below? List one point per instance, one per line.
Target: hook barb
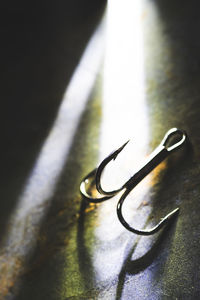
(116, 152)
(102, 166)
(96, 175)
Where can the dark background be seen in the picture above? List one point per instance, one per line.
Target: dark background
(41, 44)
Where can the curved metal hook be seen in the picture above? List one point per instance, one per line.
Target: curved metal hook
(151, 231)
(102, 166)
(84, 192)
(159, 154)
(96, 175)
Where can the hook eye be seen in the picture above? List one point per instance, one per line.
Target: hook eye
(172, 134)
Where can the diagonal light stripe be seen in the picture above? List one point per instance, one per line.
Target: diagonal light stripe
(20, 236)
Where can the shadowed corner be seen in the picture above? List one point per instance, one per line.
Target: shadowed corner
(172, 59)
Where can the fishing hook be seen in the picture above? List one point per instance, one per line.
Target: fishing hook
(157, 156)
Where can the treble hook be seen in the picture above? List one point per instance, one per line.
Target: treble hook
(158, 155)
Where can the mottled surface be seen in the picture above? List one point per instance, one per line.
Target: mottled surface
(52, 244)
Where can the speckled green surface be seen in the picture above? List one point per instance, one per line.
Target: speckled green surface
(73, 256)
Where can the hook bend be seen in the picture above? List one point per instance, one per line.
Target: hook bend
(84, 192)
(164, 221)
(95, 175)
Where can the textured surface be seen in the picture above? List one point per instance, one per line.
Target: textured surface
(53, 245)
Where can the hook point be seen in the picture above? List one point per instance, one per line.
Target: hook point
(172, 214)
(120, 149)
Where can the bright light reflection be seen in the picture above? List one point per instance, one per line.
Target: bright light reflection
(124, 117)
(20, 236)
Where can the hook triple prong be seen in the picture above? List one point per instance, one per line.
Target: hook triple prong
(166, 147)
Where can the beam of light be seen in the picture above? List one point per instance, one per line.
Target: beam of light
(21, 235)
(125, 116)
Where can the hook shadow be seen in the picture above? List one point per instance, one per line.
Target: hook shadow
(133, 267)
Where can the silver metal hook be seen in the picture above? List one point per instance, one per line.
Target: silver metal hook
(96, 175)
(151, 231)
(166, 147)
(84, 192)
